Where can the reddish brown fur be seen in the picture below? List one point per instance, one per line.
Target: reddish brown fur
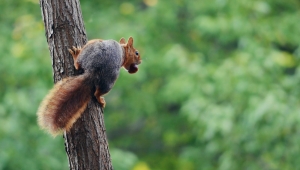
(100, 99)
(64, 104)
(131, 60)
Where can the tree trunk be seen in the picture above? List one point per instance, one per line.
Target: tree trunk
(86, 143)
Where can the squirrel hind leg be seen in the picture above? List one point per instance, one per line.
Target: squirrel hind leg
(99, 97)
(75, 51)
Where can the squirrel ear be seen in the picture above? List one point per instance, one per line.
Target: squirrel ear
(130, 41)
(122, 41)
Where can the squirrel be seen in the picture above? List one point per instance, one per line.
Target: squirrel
(100, 61)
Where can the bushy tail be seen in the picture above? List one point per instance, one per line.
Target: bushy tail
(64, 104)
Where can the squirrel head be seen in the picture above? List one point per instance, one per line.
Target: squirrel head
(132, 56)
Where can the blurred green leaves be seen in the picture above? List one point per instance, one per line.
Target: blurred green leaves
(217, 88)
(123, 160)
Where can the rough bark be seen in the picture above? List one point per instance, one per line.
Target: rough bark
(86, 143)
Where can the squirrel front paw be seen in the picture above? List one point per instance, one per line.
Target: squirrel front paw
(75, 52)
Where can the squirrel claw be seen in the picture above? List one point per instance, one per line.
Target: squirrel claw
(71, 51)
(74, 50)
(101, 102)
(99, 98)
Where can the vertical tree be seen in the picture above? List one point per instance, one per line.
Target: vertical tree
(86, 143)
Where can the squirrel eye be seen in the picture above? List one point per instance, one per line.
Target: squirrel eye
(136, 53)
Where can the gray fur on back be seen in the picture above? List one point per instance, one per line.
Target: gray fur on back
(103, 61)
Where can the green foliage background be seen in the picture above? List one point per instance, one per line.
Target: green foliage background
(217, 88)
